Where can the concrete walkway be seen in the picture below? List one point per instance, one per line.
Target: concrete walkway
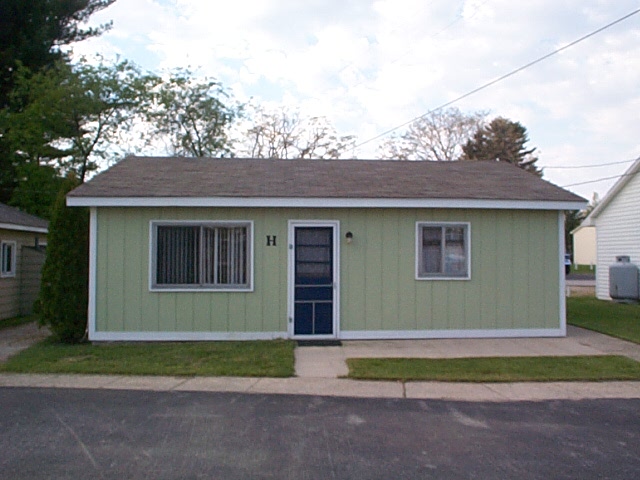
(317, 369)
(580, 287)
(334, 387)
(329, 362)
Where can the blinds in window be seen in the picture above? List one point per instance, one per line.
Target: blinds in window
(201, 255)
(225, 251)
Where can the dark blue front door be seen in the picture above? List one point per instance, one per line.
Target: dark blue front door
(313, 283)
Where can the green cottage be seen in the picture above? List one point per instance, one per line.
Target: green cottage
(243, 249)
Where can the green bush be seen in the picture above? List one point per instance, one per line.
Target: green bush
(64, 290)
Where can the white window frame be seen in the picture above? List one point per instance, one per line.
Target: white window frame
(418, 254)
(153, 229)
(14, 246)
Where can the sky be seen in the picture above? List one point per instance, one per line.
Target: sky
(371, 66)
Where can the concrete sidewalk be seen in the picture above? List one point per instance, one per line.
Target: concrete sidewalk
(330, 362)
(334, 387)
(580, 287)
(317, 369)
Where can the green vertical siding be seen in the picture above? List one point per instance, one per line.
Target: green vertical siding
(514, 273)
(405, 292)
(354, 270)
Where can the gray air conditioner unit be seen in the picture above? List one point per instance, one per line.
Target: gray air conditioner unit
(623, 279)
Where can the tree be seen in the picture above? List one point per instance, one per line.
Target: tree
(192, 116)
(64, 289)
(283, 134)
(438, 136)
(67, 117)
(33, 32)
(504, 141)
(37, 189)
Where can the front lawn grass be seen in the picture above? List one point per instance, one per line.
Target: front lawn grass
(496, 369)
(17, 321)
(241, 359)
(616, 319)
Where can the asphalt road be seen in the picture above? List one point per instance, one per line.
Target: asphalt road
(81, 434)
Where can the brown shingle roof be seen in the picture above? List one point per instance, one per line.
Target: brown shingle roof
(13, 217)
(367, 179)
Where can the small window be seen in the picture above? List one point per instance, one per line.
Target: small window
(442, 251)
(8, 259)
(211, 256)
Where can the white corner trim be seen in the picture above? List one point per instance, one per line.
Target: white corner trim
(435, 334)
(562, 277)
(181, 336)
(93, 263)
(319, 203)
(22, 228)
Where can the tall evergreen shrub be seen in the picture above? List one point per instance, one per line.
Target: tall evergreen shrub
(64, 290)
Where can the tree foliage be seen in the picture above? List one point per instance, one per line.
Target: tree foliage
(69, 117)
(33, 32)
(37, 189)
(192, 116)
(285, 134)
(438, 136)
(64, 289)
(32, 35)
(502, 140)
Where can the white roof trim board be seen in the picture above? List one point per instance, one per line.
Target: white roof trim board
(319, 203)
(12, 218)
(23, 228)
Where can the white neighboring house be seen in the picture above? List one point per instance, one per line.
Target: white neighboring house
(584, 245)
(617, 222)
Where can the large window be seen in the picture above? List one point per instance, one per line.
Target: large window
(442, 251)
(8, 259)
(211, 256)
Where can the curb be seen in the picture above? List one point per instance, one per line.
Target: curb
(471, 392)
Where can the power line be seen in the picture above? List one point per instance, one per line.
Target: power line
(604, 178)
(589, 166)
(598, 180)
(499, 79)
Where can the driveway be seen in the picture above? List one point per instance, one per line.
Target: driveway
(13, 340)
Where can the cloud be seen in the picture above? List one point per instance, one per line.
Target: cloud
(372, 65)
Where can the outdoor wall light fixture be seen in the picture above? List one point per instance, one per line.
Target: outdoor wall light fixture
(349, 237)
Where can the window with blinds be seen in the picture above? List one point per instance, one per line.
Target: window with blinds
(205, 255)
